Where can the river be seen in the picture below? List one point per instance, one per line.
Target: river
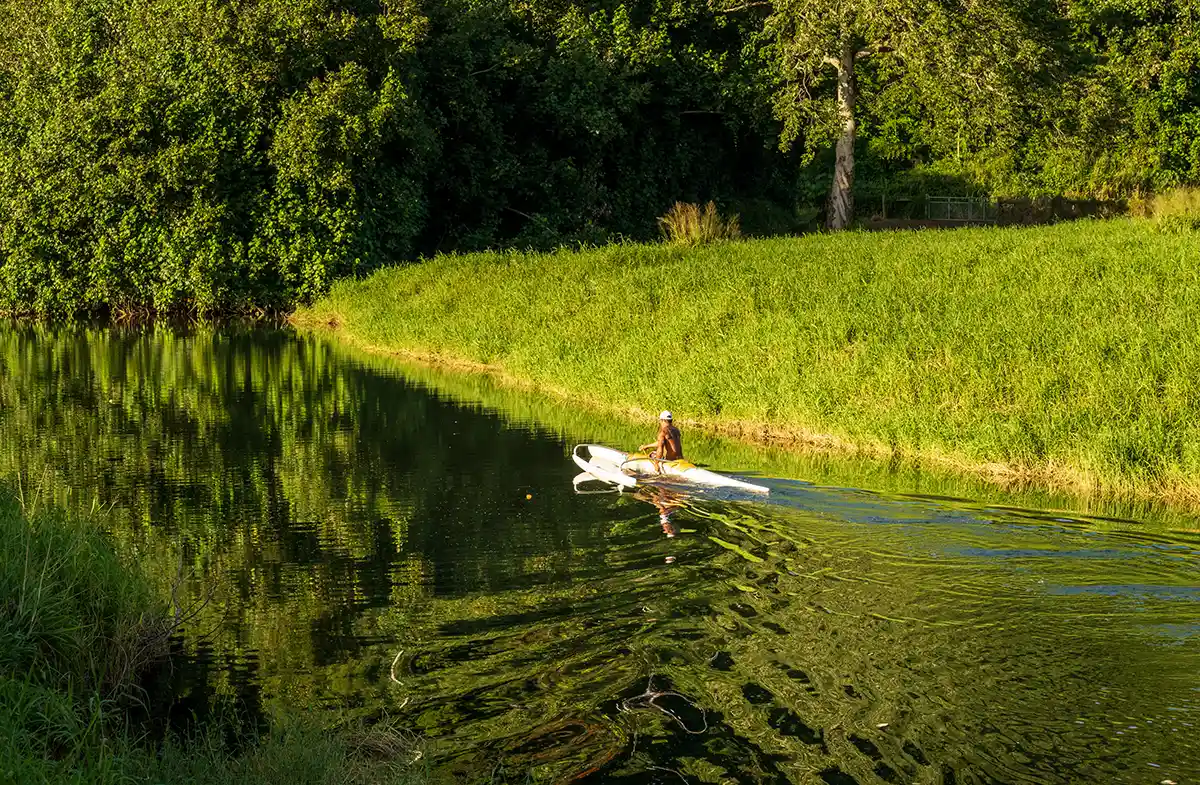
(354, 539)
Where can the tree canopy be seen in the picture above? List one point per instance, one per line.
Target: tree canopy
(206, 155)
(946, 58)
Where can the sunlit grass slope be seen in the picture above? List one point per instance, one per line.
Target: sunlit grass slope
(1068, 352)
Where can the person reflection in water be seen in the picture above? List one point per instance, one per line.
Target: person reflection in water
(669, 444)
(668, 503)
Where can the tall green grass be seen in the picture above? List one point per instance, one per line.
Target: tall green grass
(77, 626)
(1065, 351)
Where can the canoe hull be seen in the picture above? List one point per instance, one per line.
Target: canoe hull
(624, 469)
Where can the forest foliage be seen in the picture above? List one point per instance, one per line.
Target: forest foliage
(206, 155)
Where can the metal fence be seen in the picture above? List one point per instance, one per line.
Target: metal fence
(970, 210)
(964, 209)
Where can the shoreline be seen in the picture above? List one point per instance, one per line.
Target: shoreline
(1059, 479)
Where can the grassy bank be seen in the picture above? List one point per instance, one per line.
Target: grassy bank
(77, 625)
(1063, 355)
(559, 419)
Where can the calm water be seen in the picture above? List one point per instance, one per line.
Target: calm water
(356, 540)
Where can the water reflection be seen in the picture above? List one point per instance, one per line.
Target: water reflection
(369, 546)
(666, 501)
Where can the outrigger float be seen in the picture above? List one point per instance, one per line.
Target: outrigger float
(628, 470)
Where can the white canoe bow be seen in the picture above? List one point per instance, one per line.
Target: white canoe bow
(624, 469)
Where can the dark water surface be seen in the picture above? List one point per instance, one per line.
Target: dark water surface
(364, 541)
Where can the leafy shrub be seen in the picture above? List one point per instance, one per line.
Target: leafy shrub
(191, 160)
(689, 224)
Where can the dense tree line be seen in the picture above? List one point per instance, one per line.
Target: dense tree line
(217, 154)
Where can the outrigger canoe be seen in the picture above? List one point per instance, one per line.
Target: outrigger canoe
(625, 470)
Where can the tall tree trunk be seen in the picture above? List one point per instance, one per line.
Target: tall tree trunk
(841, 195)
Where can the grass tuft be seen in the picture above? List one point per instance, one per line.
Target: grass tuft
(690, 224)
(1171, 212)
(76, 628)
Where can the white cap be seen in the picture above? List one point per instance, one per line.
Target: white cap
(666, 415)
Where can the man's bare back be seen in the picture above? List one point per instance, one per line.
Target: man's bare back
(669, 444)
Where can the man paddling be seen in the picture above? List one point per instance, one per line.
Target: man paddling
(669, 446)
